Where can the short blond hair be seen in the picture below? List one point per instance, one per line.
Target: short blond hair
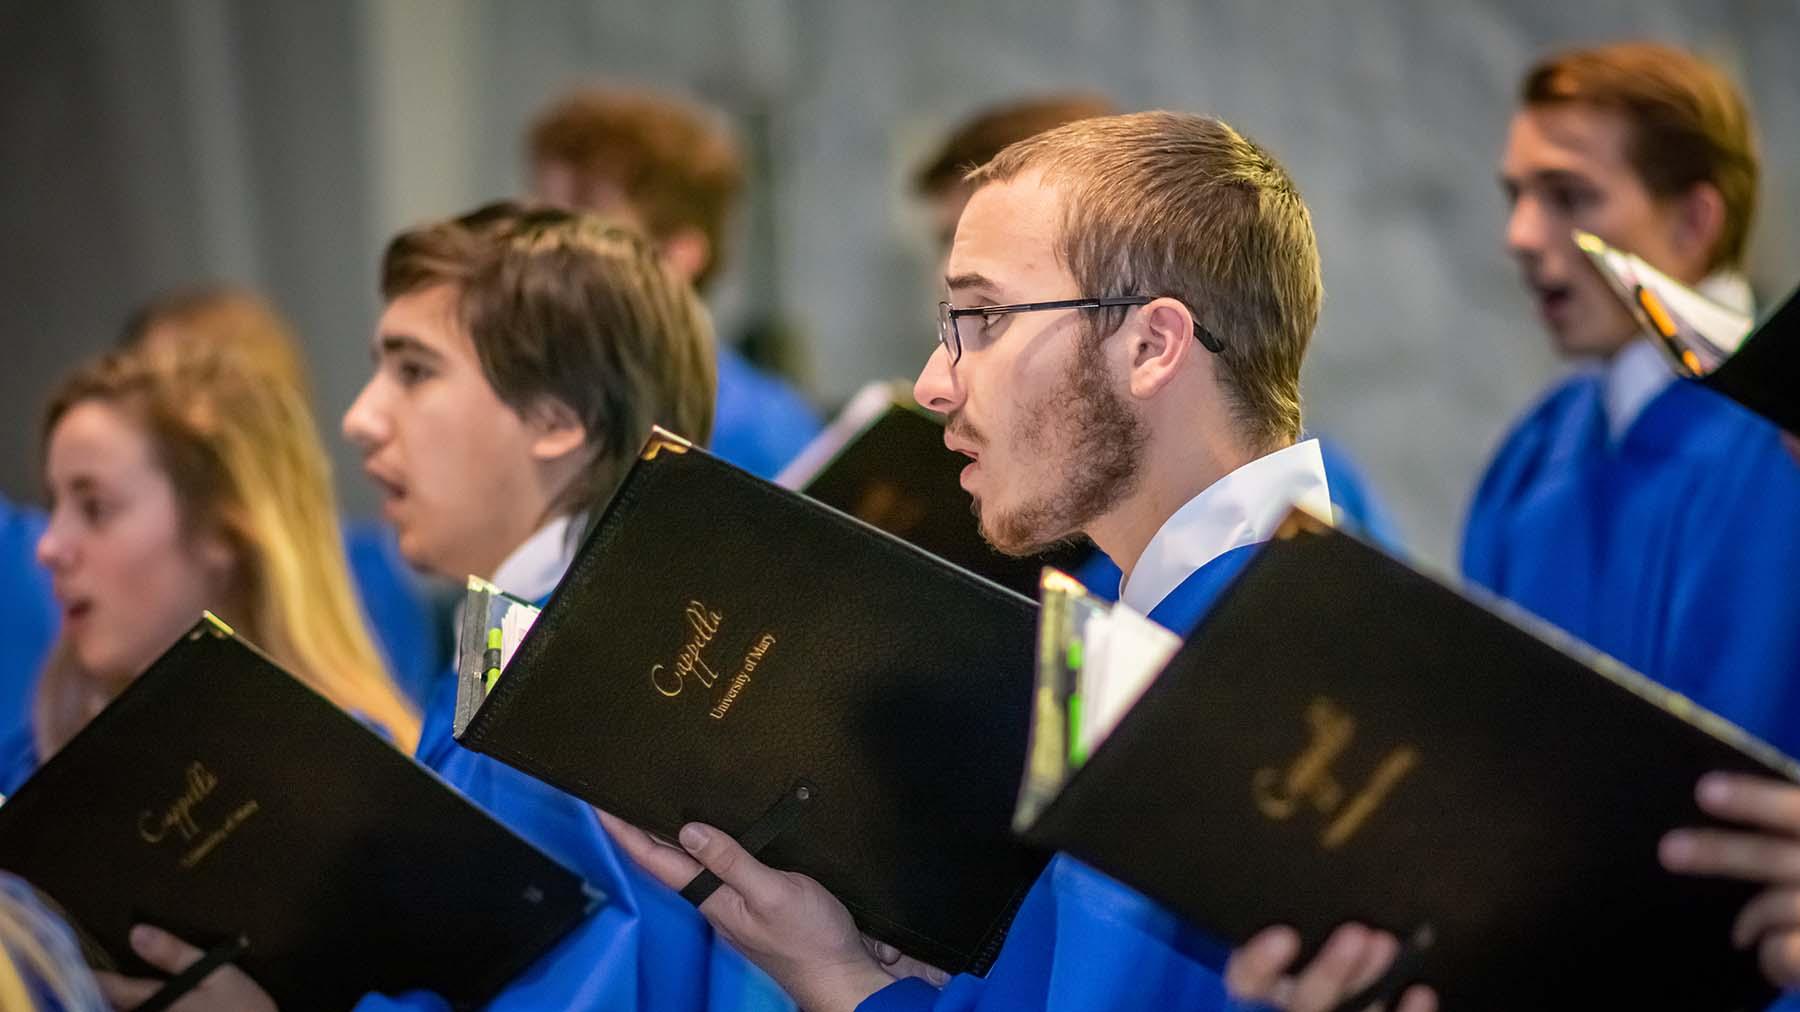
(1179, 205)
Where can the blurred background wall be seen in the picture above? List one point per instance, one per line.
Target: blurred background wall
(144, 143)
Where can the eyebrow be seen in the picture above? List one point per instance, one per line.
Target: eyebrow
(972, 281)
(397, 344)
(1547, 176)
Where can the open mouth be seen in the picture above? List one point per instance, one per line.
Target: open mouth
(392, 492)
(1553, 300)
(77, 610)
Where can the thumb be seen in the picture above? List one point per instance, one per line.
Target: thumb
(161, 949)
(757, 883)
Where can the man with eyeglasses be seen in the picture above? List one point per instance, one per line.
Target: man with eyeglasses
(1130, 300)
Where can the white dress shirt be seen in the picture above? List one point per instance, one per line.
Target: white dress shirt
(536, 566)
(1242, 508)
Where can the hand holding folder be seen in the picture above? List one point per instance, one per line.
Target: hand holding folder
(1766, 852)
(1354, 961)
(200, 980)
(1382, 749)
(786, 923)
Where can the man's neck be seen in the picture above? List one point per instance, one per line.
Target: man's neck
(1167, 480)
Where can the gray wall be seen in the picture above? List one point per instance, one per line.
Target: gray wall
(156, 141)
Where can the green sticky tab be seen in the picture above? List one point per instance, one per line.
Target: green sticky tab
(493, 675)
(1077, 754)
(1074, 657)
(494, 638)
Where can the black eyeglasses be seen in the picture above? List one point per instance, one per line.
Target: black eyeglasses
(950, 333)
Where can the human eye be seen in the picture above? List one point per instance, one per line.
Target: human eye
(1571, 199)
(409, 371)
(986, 327)
(94, 510)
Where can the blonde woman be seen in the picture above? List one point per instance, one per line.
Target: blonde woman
(184, 476)
(411, 629)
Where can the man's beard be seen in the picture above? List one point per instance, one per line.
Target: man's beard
(1093, 441)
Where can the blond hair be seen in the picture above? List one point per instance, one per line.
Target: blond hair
(234, 433)
(39, 956)
(1173, 204)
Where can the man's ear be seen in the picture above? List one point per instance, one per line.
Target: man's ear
(1699, 223)
(686, 253)
(556, 432)
(1161, 341)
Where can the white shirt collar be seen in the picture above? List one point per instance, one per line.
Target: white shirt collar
(534, 568)
(1242, 508)
(1639, 372)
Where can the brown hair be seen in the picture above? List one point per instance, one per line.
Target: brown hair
(1687, 123)
(565, 306)
(982, 136)
(233, 431)
(676, 163)
(1173, 204)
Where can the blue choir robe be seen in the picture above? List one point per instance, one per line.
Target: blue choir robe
(1081, 940)
(412, 630)
(1353, 497)
(759, 422)
(28, 622)
(645, 948)
(1675, 549)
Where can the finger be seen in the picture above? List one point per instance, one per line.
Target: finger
(1382, 949)
(906, 966)
(884, 953)
(1779, 955)
(125, 992)
(669, 865)
(1418, 998)
(1752, 857)
(760, 885)
(1326, 981)
(163, 950)
(1758, 801)
(1772, 909)
(1253, 970)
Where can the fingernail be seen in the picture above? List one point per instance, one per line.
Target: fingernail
(693, 837)
(1286, 944)
(1676, 850)
(141, 937)
(1714, 789)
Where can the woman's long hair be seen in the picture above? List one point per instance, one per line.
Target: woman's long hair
(231, 427)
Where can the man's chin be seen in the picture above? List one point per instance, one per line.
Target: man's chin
(1019, 544)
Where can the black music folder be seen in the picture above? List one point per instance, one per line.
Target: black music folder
(1755, 364)
(220, 798)
(883, 461)
(1342, 738)
(729, 651)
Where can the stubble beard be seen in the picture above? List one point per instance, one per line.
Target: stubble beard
(1093, 441)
